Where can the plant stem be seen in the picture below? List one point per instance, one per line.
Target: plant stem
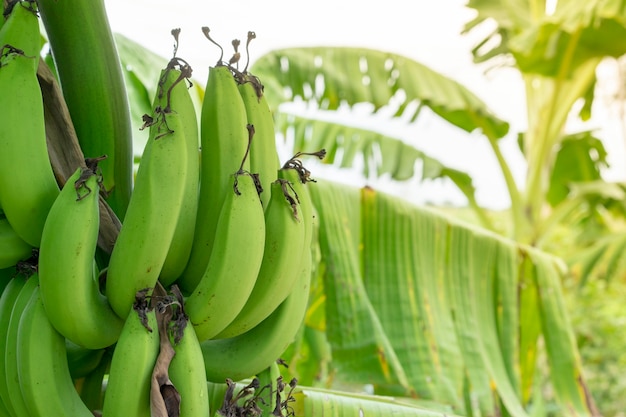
(514, 193)
(546, 126)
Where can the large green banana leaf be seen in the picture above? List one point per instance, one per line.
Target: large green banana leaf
(422, 306)
(331, 77)
(574, 32)
(334, 76)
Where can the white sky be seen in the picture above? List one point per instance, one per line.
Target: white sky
(425, 30)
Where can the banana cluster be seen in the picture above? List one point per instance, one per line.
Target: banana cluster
(215, 226)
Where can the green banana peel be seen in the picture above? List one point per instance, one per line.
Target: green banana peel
(91, 78)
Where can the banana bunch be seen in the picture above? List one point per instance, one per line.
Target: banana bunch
(215, 229)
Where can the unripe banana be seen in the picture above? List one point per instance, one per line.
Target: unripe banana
(234, 263)
(4, 411)
(223, 140)
(269, 378)
(21, 29)
(181, 101)
(11, 359)
(246, 355)
(7, 301)
(82, 361)
(90, 387)
(298, 177)
(128, 387)
(154, 209)
(90, 75)
(27, 184)
(69, 285)
(44, 375)
(186, 371)
(284, 243)
(12, 248)
(263, 154)
(6, 275)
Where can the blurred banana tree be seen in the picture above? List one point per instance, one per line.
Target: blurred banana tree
(437, 315)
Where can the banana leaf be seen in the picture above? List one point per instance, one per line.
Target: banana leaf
(427, 307)
(319, 402)
(334, 76)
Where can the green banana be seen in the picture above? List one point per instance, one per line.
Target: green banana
(13, 351)
(44, 375)
(67, 266)
(247, 354)
(298, 176)
(91, 78)
(224, 140)
(128, 387)
(269, 378)
(12, 248)
(21, 29)
(7, 301)
(28, 186)
(263, 154)
(82, 361)
(4, 411)
(154, 209)
(234, 263)
(284, 243)
(186, 371)
(181, 100)
(90, 387)
(6, 276)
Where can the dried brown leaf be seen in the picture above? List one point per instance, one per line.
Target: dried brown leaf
(164, 397)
